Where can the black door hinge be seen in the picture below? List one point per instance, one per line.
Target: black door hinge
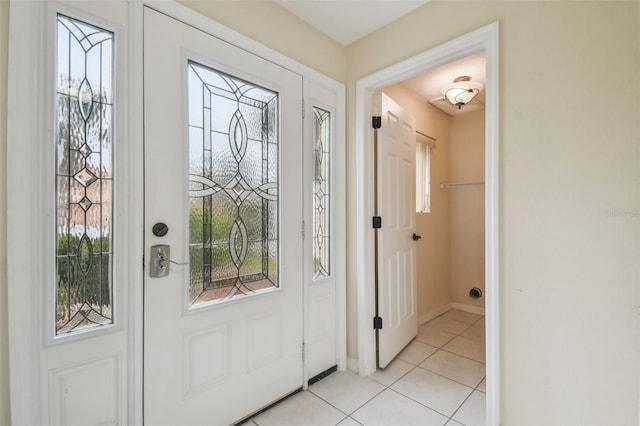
(377, 222)
(376, 122)
(377, 323)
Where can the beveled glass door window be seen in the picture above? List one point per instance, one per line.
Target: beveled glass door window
(233, 186)
(84, 176)
(321, 192)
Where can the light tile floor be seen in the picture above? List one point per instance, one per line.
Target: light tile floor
(438, 379)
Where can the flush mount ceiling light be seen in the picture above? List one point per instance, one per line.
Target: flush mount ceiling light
(462, 91)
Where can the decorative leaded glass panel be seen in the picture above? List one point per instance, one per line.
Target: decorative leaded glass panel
(321, 192)
(233, 186)
(84, 176)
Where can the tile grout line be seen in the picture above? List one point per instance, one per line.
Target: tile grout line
(453, 380)
(403, 395)
(398, 379)
(478, 385)
(252, 421)
(458, 409)
(359, 407)
(465, 357)
(485, 364)
(418, 402)
(349, 417)
(442, 348)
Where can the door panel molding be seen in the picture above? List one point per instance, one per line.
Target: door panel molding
(396, 249)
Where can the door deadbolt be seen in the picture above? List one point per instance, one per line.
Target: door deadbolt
(160, 229)
(160, 261)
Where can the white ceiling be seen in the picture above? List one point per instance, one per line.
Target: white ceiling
(430, 84)
(346, 21)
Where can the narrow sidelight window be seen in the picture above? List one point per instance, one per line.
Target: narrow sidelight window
(423, 178)
(84, 176)
(321, 193)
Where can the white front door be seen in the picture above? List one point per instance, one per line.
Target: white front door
(396, 248)
(223, 173)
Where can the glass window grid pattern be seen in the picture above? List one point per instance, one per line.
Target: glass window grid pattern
(84, 176)
(233, 187)
(322, 138)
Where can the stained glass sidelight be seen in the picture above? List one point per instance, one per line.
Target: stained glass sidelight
(321, 192)
(84, 176)
(233, 186)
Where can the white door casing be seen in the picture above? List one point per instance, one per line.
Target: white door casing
(485, 38)
(396, 249)
(218, 363)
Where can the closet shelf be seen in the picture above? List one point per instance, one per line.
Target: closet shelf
(459, 184)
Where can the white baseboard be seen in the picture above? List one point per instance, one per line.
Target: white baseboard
(424, 318)
(467, 308)
(352, 364)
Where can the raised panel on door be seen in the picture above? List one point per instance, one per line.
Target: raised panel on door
(223, 171)
(396, 248)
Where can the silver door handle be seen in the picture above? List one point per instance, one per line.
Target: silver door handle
(160, 260)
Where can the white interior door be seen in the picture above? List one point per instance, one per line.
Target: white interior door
(396, 248)
(223, 172)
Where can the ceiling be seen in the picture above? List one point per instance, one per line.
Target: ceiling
(430, 84)
(346, 21)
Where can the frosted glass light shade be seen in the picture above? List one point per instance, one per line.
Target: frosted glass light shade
(462, 91)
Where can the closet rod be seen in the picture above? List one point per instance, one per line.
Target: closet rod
(431, 138)
(459, 184)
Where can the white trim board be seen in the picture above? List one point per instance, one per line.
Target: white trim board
(436, 312)
(433, 313)
(468, 308)
(485, 38)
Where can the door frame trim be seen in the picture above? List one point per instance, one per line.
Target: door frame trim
(483, 39)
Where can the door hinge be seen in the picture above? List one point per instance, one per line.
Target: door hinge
(377, 222)
(303, 230)
(303, 109)
(377, 323)
(304, 351)
(143, 262)
(376, 122)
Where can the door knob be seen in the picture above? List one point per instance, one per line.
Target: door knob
(416, 237)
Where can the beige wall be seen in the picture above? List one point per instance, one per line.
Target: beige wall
(569, 179)
(4, 347)
(569, 173)
(276, 27)
(467, 207)
(433, 250)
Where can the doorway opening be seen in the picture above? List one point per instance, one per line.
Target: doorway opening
(482, 40)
